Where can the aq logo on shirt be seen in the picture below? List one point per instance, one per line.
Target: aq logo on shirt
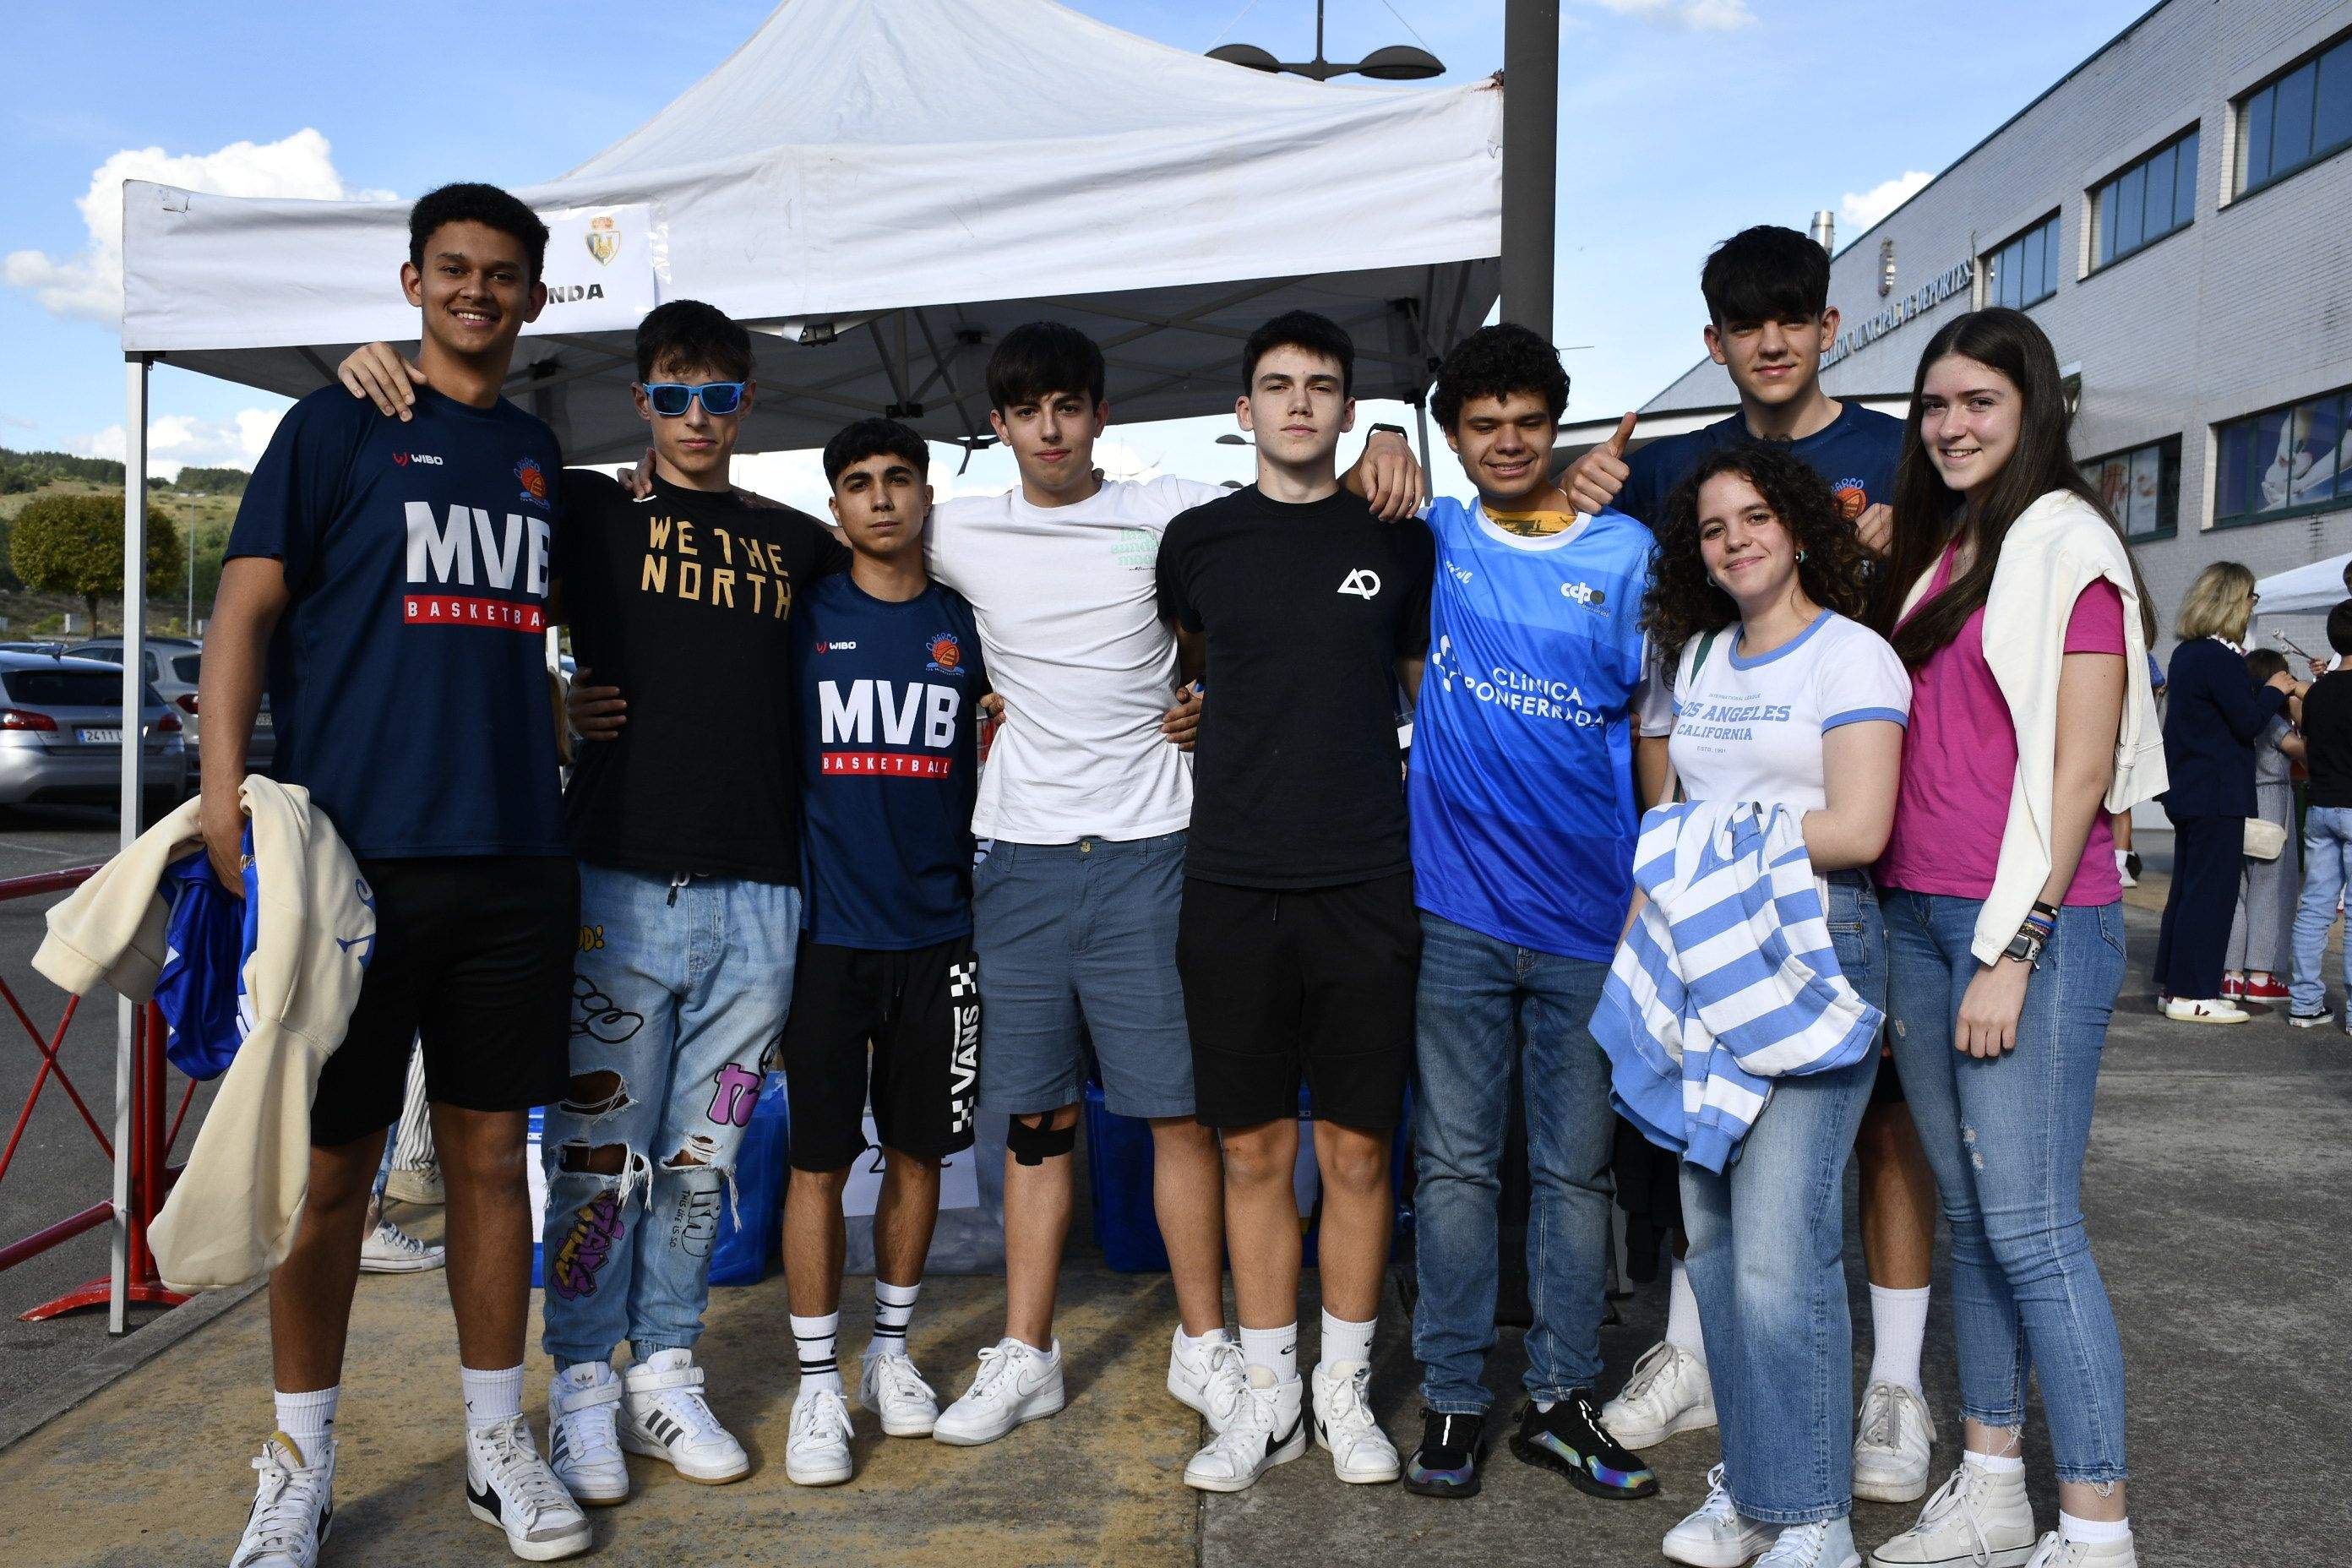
(1363, 582)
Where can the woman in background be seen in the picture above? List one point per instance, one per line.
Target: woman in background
(2260, 937)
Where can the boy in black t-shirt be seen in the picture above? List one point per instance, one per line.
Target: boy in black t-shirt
(1298, 943)
(2326, 823)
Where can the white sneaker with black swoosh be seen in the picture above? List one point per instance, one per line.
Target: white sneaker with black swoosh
(292, 1508)
(1269, 1429)
(1016, 1383)
(508, 1485)
(1342, 1401)
(1212, 1379)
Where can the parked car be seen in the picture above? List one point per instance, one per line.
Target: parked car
(61, 736)
(172, 666)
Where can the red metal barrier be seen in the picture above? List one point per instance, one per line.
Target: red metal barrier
(153, 1133)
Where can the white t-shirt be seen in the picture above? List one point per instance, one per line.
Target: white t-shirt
(1751, 729)
(1068, 618)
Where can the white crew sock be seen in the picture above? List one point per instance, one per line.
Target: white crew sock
(1898, 1327)
(1682, 1314)
(1346, 1341)
(1196, 1344)
(309, 1420)
(490, 1396)
(1997, 1464)
(1277, 1350)
(894, 1309)
(814, 1337)
(2092, 1532)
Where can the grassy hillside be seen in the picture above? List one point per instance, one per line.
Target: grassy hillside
(205, 509)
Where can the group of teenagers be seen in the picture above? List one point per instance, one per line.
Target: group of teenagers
(1200, 866)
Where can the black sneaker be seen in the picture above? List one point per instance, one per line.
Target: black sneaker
(1446, 1463)
(1570, 1438)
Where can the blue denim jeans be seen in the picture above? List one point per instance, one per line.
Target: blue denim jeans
(2326, 865)
(679, 994)
(1478, 992)
(1768, 1262)
(2006, 1136)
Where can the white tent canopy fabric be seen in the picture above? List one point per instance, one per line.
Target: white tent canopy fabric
(884, 187)
(2305, 590)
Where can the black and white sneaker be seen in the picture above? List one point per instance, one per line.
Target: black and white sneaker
(1570, 1439)
(292, 1508)
(1268, 1428)
(1446, 1464)
(508, 1485)
(2309, 1020)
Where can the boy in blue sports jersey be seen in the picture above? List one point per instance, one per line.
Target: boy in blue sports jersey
(1524, 807)
(1769, 322)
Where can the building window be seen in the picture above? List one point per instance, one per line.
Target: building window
(2296, 119)
(2141, 488)
(2024, 271)
(2285, 461)
(2147, 201)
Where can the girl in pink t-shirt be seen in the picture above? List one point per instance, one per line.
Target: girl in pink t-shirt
(1994, 526)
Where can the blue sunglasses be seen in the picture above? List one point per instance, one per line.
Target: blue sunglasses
(669, 398)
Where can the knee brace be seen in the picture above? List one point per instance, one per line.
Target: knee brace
(1036, 1146)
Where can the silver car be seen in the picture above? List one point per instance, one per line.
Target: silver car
(172, 667)
(61, 736)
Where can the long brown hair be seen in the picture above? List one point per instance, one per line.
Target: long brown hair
(1928, 514)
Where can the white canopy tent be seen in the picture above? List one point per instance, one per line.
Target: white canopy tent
(881, 188)
(2303, 590)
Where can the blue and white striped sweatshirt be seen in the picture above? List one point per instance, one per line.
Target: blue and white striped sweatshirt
(1727, 980)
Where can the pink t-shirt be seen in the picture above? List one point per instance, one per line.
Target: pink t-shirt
(1960, 762)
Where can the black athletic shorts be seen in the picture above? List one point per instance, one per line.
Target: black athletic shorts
(472, 958)
(1316, 982)
(908, 1023)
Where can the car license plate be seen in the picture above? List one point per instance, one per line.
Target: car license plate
(102, 737)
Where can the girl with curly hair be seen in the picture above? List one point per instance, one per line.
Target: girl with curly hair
(1780, 697)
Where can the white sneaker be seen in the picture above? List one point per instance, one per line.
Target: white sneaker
(665, 1416)
(1212, 1381)
(891, 1388)
(2056, 1552)
(421, 1187)
(2124, 870)
(1976, 1518)
(583, 1443)
(816, 1454)
(392, 1251)
(1715, 1535)
(1268, 1429)
(2204, 1010)
(1669, 1392)
(1893, 1433)
(1360, 1452)
(1827, 1543)
(292, 1508)
(1016, 1383)
(508, 1485)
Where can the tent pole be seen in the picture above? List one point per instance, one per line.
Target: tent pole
(133, 751)
(1420, 417)
(1531, 159)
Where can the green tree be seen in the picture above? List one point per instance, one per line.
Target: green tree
(73, 544)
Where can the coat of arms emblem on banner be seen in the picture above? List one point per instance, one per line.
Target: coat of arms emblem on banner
(604, 239)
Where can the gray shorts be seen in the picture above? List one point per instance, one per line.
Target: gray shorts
(1077, 942)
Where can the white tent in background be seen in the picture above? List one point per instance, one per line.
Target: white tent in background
(2305, 590)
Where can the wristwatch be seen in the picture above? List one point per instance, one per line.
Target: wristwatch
(2033, 935)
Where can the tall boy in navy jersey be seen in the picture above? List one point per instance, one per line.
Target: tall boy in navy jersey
(388, 582)
(1525, 811)
(1769, 324)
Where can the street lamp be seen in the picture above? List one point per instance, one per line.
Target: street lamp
(1397, 62)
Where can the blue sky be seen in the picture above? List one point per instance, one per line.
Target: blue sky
(1681, 121)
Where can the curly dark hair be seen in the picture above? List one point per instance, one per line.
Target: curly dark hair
(1684, 602)
(1496, 362)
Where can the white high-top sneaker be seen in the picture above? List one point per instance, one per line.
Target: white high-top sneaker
(584, 1438)
(2056, 1552)
(1342, 1401)
(1828, 1543)
(1669, 1393)
(889, 1386)
(1715, 1535)
(1892, 1435)
(1016, 1383)
(1212, 1380)
(1268, 1429)
(816, 1454)
(1975, 1517)
(293, 1506)
(508, 1485)
(666, 1416)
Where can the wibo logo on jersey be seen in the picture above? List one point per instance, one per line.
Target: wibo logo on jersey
(852, 717)
(403, 458)
(443, 555)
(1535, 696)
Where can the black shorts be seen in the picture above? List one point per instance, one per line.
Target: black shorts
(473, 960)
(1316, 982)
(908, 1021)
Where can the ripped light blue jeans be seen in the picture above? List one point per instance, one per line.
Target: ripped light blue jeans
(679, 996)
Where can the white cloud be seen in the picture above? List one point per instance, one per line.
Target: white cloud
(1867, 207)
(1697, 15)
(89, 282)
(176, 441)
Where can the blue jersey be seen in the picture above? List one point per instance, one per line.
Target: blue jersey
(1521, 780)
(1855, 455)
(408, 674)
(889, 705)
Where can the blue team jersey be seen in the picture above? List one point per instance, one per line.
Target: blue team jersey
(1522, 779)
(890, 698)
(1855, 455)
(408, 674)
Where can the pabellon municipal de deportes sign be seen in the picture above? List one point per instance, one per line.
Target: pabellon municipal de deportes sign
(1917, 303)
